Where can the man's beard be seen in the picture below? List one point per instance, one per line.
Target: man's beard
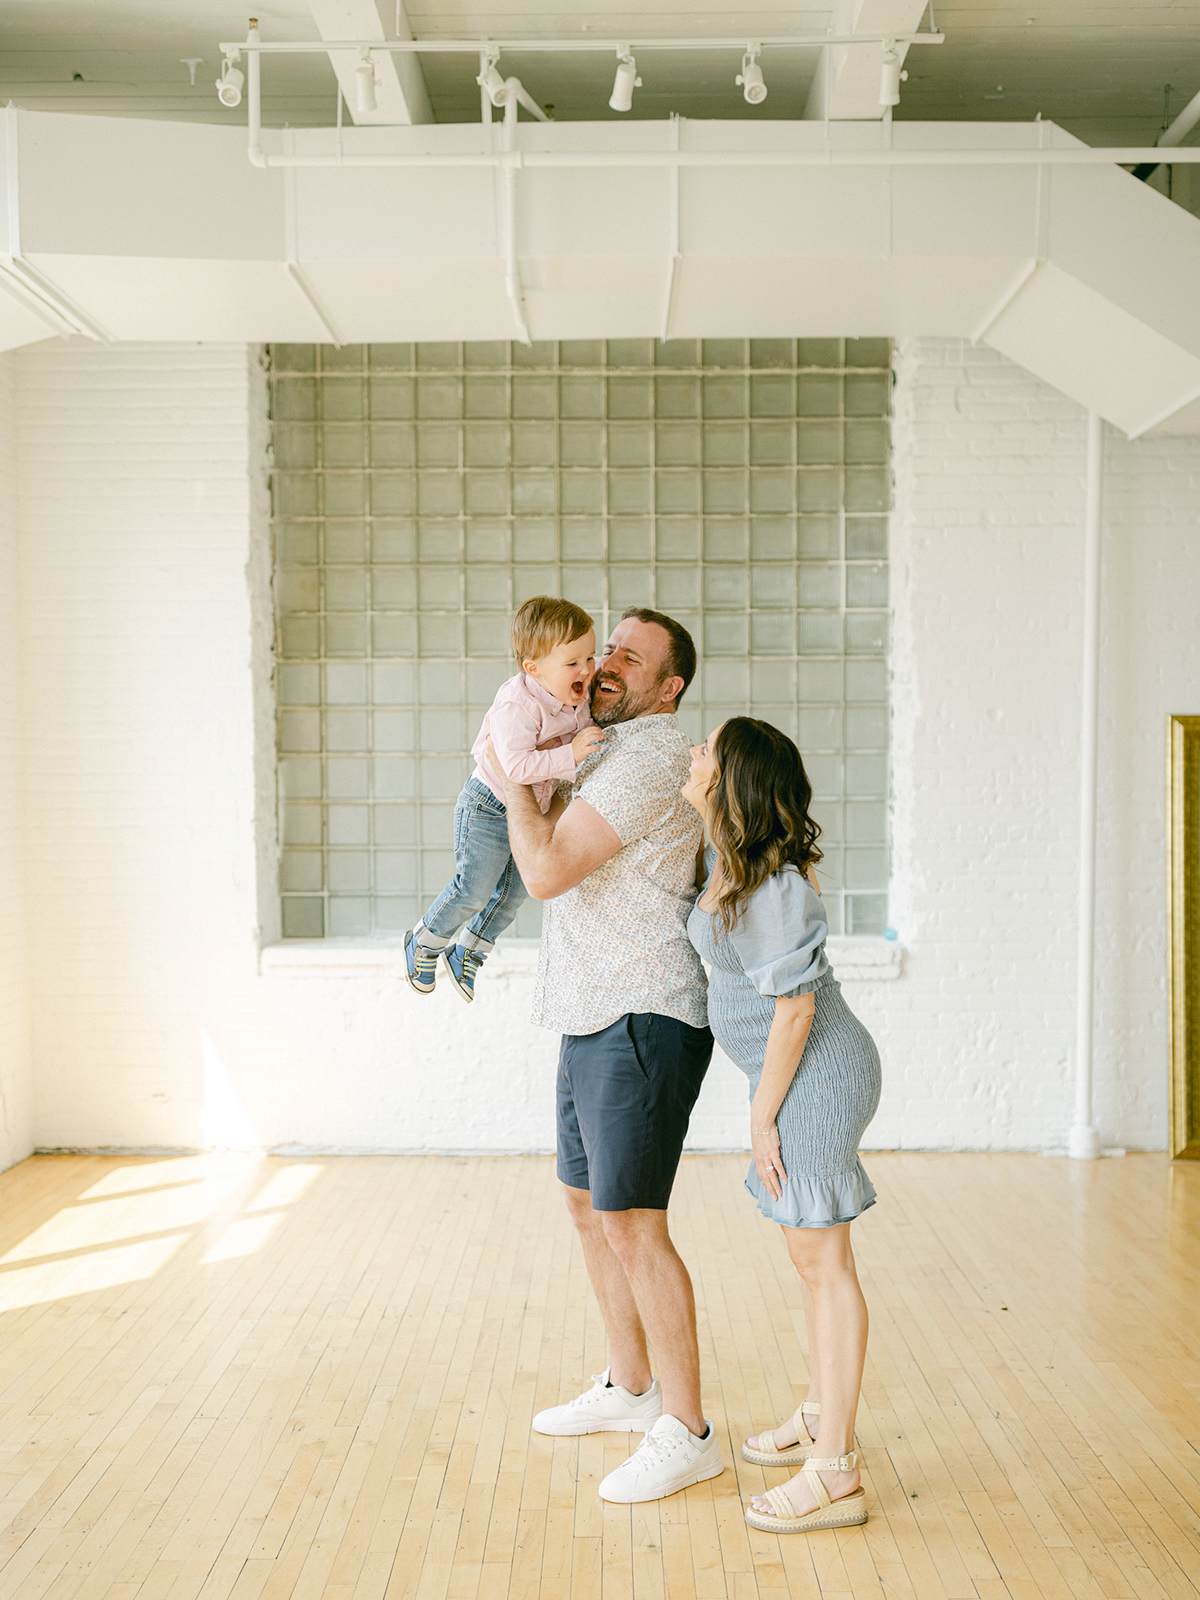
(607, 709)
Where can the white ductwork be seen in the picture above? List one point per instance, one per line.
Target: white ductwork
(137, 230)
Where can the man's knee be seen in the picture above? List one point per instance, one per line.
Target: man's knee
(632, 1235)
(579, 1206)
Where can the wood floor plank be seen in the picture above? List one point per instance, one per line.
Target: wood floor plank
(340, 1408)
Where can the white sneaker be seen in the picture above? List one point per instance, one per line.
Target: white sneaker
(668, 1459)
(604, 1408)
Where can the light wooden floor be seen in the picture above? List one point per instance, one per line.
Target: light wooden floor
(251, 1378)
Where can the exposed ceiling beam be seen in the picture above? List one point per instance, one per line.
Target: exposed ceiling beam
(400, 92)
(847, 76)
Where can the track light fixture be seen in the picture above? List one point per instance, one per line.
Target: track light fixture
(890, 76)
(626, 80)
(489, 80)
(229, 84)
(364, 77)
(754, 90)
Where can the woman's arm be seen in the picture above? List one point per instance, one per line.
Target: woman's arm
(785, 1046)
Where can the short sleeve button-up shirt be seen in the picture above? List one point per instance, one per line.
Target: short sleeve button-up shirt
(617, 942)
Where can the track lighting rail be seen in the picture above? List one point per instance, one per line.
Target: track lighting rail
(805, 41)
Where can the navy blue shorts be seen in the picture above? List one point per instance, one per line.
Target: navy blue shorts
(624, 1098)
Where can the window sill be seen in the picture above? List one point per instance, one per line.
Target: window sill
(855, 960)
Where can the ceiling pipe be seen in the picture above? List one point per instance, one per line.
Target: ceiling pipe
(1175, 134)
(556, 46)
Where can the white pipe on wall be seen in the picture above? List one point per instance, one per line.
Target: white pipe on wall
(512, 269)
(1083, 1141)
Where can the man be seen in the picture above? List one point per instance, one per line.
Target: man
(620, 980)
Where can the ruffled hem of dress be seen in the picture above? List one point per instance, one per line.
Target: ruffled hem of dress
(815, 1202)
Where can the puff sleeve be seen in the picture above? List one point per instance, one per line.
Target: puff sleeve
(780, 936)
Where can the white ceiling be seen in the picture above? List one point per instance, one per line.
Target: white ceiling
(1099, 70)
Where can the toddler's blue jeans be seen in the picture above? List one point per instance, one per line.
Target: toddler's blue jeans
(486, 888)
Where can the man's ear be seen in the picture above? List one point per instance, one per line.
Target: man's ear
(672, 688)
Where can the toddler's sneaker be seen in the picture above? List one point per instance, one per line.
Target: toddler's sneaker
(420, 965)
(604, 1408)
(462, 965)
(668, 1459)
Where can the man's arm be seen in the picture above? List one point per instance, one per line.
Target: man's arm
(555, 852)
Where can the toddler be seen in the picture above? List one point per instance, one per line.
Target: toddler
(541, 729)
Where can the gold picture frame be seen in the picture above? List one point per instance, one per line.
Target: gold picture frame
(1183, 934)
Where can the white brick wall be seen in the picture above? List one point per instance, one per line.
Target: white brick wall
(149, 831)
(16, 1069)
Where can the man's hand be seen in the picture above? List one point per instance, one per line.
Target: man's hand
(553, 853)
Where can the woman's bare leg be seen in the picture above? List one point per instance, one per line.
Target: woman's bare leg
(837, 1325)
(786, 1434)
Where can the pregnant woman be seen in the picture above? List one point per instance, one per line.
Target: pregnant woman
(776, 1010)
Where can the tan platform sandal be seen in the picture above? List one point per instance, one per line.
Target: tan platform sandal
(793, 1454)
(845, 1512)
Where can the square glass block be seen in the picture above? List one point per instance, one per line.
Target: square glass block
(487, 539)
(292, 358)
(433, 355)
(349, 916)
(486, 589)
(866, 821)
(676, 396)
(771, 444)
(866, 633)
(581, 492)
(299, 686)
(303, 917)
(818, 489)
(300, 779)
(724, 396)
(441, 731)
(531, 580)
(440, 635)
(629, 444)
(396, 913)
(297, 542)
(439, 494)
(485, 353)
(725, 538)
(299, 636)
(772, 633)
(395, 871)
(534, 397)
(725, 587)
(630, 398)
(866, 727)
(724, 682)
(342, 399)
(394, 634)
(868, 394)
(581, 398)
(345, 543)
(441, 779)
(867, 680)
(439, 397)
(437, 868)
(866, 537)
(580, 353)
(771, 489)
(293, 400)
(773, 587)
(393, 824)
(866, 913)
(580, 444)
(772, 538)
(818, 633)
(772, 353)
(581, 538)
(725, 492)
(301, 824)
(298, 589)
(487, 634)
(485, 493)
(774, 680)
(541, 353)
(345, 588)
(677, 444)
(299, 731)
(484, 679)
(345, 635)
(392, 683)
(868, 352)
(345, 684)
(627, 586)
(390, 357)
(677, 353)
(725, 635)
(534, 540)
(628, 492)
(391, 399)
(437, 444)
(819, 394)
(628, 539)
(677, 538)
(395, 588)
(295, 444)
(866, 776)
(773, 395)
(866, 442)
(723, 352)
(485, 397)
(393, 494)
(824, 772)
(528, 924)
(818, 681)
(820, 584)
(630, 353)
(866, 583)
(676, 587)
(534, 493)
(346, 778)
(585, 586)
(819, 352)
(349, 824)
(676, 490)
(393, 540)
(818, 443)
(867, 489)
(725, 444)
(819, 727)
(439, 588)
(297, 494)
(394, 777)
(438, 541)
(343, 444)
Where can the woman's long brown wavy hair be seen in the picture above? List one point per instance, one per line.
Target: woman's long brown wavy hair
(757, 811)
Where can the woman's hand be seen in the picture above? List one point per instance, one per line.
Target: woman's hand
(767, 1160)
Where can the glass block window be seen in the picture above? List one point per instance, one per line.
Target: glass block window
(421, 492)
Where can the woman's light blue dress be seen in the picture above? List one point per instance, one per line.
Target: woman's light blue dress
(778, 949)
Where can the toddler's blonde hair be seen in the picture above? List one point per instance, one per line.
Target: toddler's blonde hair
(544, 622)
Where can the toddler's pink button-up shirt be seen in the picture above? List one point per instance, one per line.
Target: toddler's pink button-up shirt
(523, 715)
